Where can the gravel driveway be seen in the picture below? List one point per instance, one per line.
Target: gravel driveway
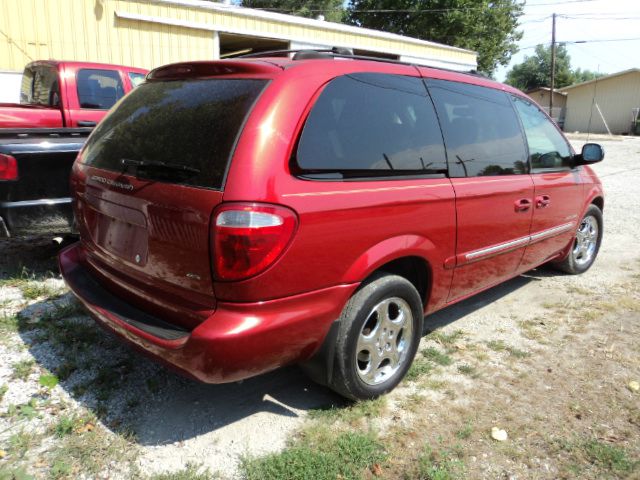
(172, 421)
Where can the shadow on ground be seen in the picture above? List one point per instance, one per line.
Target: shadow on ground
(130, 393)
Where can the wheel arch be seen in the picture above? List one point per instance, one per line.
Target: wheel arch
(406, 256)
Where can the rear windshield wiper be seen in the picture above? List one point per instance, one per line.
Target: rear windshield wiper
(126, 162)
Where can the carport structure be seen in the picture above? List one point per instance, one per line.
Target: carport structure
(149, 33)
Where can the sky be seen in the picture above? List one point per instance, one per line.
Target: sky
(583, 20)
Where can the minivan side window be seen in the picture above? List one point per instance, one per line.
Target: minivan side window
(481, 130)
(99, 89)
(369, 124)
(547, 148)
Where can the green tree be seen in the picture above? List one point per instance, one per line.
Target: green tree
(331, 10)
(585, 75)
(535, 71)
(487, 26)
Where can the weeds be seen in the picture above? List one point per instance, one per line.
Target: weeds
(608, 457)
(419, 368)
(20, 443)
(436, 356)
(26, 411)
(322, 455)
(191, 472)
(447, 340)
(91, 451)
(468, 370)
(48, 381)
(22, 369)
(501, 346)
(438, 465)
(351, 413)
(465, 432)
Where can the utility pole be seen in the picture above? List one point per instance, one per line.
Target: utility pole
(553, 64)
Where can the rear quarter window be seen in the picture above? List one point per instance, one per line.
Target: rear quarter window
(371, 124)
(191, 126)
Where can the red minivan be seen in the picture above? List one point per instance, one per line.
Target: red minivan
(236, 216)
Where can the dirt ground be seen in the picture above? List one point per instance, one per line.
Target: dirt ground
(547, 357)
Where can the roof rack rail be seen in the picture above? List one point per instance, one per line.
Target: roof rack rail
(340, 52)
(329, 51)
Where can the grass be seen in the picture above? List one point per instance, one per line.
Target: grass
(75, 423)
(22, 369)
(447, 340)
(9, 323)
(608, 457)
(91, 451)
(321, 455)
(419, 368)
(350, 413)
(27, 411)
(438, 465)
(21, 442)
(190, 472)
(468, 370)
(436, 356)
(465, 432)
(65, 369)
(8, 472)
(3, 390)
(501, 346)
(32, 290)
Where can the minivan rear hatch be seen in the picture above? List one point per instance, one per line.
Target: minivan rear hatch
(146, 185)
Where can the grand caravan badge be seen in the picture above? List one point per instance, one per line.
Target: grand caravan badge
(111, 183)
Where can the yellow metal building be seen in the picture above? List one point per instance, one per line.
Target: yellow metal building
(606, 105)
(149, 33)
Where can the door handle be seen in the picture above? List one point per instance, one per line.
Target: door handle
(86, 123)
(522, 205)
(543, 201)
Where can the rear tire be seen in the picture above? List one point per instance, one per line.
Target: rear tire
(586, 243)
(379, 332)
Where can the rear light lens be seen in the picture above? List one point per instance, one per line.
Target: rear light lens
(249, 237)
(8, 167)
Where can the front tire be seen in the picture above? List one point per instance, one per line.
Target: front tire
(585, 245)
(379, 333)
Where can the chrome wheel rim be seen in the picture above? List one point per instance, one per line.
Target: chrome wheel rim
(584, 247)
(384, 341)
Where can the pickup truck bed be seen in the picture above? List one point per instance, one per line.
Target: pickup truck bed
(39, 199)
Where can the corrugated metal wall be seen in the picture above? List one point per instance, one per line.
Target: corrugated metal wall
(615, 96)
(88, 30)
(149, 33)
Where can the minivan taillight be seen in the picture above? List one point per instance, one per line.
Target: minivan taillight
(8, 167)
(249, 237)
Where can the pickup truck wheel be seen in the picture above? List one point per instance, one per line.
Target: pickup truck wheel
(585, 245)
(379, 333)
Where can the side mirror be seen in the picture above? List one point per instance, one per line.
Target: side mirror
(591, 153)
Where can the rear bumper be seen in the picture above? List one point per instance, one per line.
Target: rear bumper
(53, 215)
(239, 340)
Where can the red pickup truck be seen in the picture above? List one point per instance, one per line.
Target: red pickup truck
(56, 94)
(60, 103)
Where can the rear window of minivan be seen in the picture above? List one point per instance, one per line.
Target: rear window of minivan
(175, 131)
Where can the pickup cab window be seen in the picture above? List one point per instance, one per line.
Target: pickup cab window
(136, 78)
(40, 87)
(99, 89)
